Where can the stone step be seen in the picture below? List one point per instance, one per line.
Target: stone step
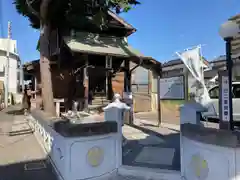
(21, 132)
(100, 102)
(20, 128)
(100, 99)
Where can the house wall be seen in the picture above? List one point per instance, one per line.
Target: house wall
(118, 83)
(139, 75)
(13, 71)
(12, 45)
(141, 89)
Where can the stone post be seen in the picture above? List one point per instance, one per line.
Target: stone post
(115, 112)
(190, 113)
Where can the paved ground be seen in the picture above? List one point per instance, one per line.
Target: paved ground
(150, 146)
(152, 116)
(21, 157)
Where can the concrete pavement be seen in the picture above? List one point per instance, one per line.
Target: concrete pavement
(152, 147)
(152, 116)
(21, 157)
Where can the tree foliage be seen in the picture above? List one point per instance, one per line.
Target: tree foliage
(62, 13)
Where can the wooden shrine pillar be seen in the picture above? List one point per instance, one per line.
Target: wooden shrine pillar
(108, 77)
(127, 76)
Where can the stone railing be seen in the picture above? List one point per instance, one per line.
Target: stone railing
(207, 152)
(83, 150)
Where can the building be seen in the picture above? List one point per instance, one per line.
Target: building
(102, 59)
(176, 67)
(236, 49)
(14, 65)
(140, 79)
(219, 63)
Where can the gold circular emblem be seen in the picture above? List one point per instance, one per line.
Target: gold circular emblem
(95, 156)
(199, 167)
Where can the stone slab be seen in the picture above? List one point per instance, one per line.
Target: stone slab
(151, 140)
(136, 136)
(144, 139)
(20, 125)
(156, 155)
(130, 130)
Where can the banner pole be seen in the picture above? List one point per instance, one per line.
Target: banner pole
(159, 102)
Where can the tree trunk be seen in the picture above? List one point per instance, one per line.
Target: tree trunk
(45, 69)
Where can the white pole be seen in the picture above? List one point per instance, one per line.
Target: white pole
(7, 67)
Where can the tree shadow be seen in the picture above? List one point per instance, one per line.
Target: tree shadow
(38, 169)
(23, 160)
(167, 142)
(15, 112)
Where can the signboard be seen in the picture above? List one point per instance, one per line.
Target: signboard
(171, 88)
(224, 92)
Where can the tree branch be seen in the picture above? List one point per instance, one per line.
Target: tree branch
(32, 10)
(44, 10)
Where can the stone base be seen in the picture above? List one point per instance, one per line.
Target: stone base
(88, 157)
(209, 153)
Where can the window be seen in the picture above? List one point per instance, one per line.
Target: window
(214, 93)
(236, 90)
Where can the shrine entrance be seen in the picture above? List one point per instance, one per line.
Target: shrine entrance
(97, 81)
(97, 75)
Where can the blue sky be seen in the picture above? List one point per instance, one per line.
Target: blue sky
(164, 27)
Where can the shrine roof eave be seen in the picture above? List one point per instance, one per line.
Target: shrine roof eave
(89, 43)
(145, 62)
(126, 25)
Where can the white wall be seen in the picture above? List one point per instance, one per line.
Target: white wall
(13, 69)
(12, 45)
(13, 64)
(139, 75)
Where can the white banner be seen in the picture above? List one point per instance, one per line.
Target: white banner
(193, 61)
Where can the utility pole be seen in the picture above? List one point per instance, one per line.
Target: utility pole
(7, 67)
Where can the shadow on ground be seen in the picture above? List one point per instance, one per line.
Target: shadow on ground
(15, 112)
(28, 170)
(159, 155)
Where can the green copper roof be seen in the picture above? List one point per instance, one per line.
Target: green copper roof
(95, 44)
